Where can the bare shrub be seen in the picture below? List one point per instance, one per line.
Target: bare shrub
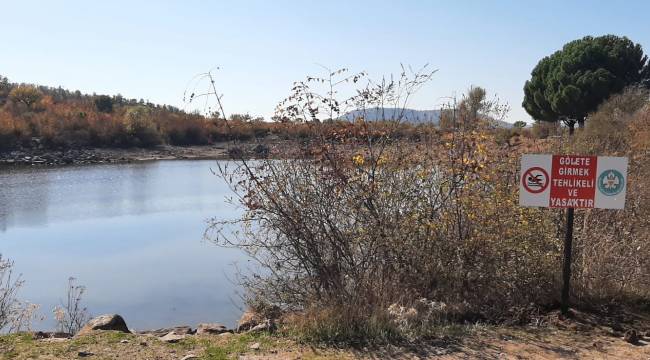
(14, 314)
(71, 316)
(607, 130)
(360, 222)
(544, 129)
(612, 261)
(10, 133)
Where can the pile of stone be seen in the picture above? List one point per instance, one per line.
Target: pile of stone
(250, 322)
(61, 157)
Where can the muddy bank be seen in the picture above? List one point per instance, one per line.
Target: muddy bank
(46, 157)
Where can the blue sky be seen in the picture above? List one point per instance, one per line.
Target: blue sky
(150, 49)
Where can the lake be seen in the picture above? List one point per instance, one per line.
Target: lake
(131, 233)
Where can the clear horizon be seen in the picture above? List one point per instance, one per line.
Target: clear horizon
(150, 50)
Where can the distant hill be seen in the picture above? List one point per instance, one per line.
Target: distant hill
(407, 115)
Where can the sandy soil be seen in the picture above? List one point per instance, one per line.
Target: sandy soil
(548, 342)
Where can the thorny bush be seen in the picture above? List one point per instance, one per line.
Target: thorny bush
(350, 231)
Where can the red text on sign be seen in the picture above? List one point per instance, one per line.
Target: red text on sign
(573, 181)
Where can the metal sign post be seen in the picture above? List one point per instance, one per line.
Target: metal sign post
(570, 182)
(566, 264)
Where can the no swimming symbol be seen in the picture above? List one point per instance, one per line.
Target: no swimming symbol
(535, 180)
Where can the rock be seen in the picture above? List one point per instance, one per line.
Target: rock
(178, 330)
(172, 338)
(37, 335)
(50, 335)
(212, 329)
(235, 152)
(266, 325)
(60, 335)
(248, 320)
(255, 346)
(647, 334)
(617, 327)
(125, 341)
(226, 335)
(105, 322)
(615, 334)
(261, 150)
(84, 354)
(631, 336)
(54, 340)
(189, 357)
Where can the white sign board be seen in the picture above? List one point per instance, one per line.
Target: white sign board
(573, 181)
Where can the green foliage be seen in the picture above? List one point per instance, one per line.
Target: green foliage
(5, 88)
(473, 110)
(573, 81)
(235, 346)
(140, 127)
(104, 104)
(519, 124)
(474, 103)
(25, 94)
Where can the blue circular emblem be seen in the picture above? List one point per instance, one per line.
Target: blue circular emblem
(611, 182)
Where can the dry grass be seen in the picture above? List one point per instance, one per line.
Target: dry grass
(585, 337)
(115, 345)
(356, 228)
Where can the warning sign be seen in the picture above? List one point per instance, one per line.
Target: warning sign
(572, 181)
(535, 180)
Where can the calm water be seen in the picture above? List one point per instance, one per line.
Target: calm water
(132, 234)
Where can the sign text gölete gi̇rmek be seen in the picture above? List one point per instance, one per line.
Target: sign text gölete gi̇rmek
(572, 181)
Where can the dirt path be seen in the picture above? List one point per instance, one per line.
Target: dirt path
(486, 343)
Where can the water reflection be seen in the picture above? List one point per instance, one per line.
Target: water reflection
(21, 201)
(131, 233)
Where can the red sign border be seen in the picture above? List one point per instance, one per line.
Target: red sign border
(523, 180)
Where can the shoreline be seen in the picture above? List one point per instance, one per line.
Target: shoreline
(89, 156)
(581, 337)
